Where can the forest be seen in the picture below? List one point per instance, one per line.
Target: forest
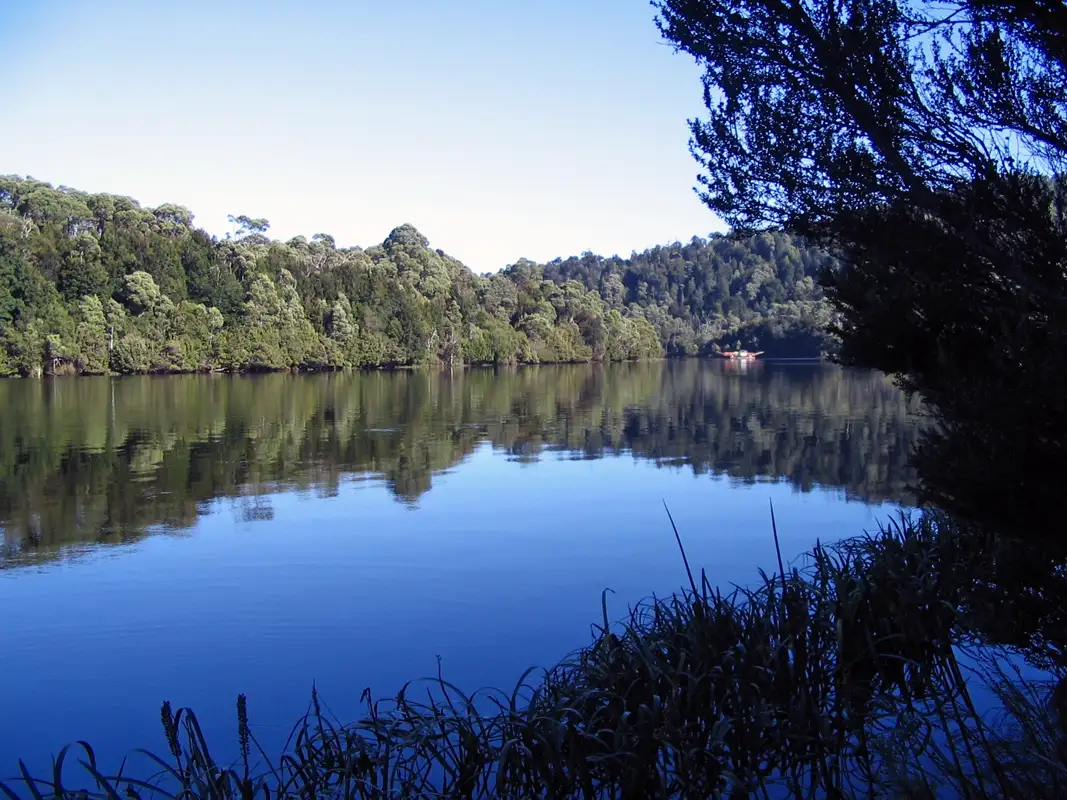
(759, 292)
(98, 284)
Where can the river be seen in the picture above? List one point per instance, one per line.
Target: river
(187, 538)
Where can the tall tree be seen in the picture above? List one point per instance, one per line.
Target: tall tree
(923, 141)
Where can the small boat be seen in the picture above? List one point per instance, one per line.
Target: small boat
(743, 355)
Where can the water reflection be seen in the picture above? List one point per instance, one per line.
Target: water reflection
(101, 460)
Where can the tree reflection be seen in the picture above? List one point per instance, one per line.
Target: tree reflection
(100, 460)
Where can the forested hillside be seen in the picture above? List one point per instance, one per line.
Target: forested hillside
(95, 283)
(759, 293)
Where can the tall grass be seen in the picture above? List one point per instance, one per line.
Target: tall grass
(850, 675)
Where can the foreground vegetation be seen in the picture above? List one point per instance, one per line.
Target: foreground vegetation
(858, 674)
(94, 283)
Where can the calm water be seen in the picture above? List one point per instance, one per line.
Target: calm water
(189, 538)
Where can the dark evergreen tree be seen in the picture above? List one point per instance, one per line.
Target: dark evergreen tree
(924, 143)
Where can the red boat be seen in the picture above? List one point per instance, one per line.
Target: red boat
(741, 354)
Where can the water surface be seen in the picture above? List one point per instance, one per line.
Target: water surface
(189, 538)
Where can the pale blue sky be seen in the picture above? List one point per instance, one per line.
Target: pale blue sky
(499, 128)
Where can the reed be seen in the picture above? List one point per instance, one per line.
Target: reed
(851, 674)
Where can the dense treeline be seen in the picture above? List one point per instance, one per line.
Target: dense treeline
(760, 293)
(103, 460)
(96, 284)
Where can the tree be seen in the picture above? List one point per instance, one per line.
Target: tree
(141, 292)
(115, 316)
(247, 226)
(264, 313)
(91, 337)
(173, 220)
(191, 345)
(923, 143)
(11, 278)
(817, 108)
(208, 278)
(82, 271)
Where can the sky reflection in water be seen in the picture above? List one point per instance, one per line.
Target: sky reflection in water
(497, 563)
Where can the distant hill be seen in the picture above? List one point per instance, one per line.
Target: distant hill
(96, 283)
(760, 293)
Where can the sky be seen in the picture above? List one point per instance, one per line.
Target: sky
(499, 128)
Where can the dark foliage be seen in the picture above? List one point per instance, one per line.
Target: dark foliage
(968, 306)
(921, 143)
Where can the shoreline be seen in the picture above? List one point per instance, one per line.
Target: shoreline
(303, 370)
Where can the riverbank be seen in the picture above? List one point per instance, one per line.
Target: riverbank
(69, 370)
(856, 675)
